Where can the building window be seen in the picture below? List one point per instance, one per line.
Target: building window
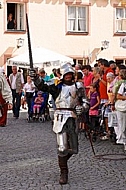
(77, 19)
(120, 20)
(15, 16)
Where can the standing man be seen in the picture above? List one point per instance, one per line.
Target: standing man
(105, 68)
(17, 83)
(78, 68)
(67, 94)
(43, 75)
(5, 99)
(88, 76)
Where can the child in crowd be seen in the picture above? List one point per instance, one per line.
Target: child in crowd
(29, 89)
(37, 104)
(23, 101)
(94, 104)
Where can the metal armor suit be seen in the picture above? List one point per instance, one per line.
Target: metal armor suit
(66, 96)
(64, 120)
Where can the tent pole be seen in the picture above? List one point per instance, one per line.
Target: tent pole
(29, 43)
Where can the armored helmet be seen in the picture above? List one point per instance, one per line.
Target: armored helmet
(66, 68)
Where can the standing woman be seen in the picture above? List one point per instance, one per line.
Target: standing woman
(96, 76)
(117, 82)
(11, 23)
(122, 115)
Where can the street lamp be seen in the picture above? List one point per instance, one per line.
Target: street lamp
(105, 44)
(20, 42)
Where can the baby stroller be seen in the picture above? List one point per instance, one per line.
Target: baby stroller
(43, 114)
(97, 126)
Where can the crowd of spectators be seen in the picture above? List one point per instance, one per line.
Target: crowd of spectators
(104, 85)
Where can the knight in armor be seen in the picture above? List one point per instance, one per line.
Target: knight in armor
(68, 95)
(5, 98)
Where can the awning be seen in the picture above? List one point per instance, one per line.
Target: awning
(41, 57)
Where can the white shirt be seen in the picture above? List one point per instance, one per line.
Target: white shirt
(13, 84)
(29, 87)
(122, 89)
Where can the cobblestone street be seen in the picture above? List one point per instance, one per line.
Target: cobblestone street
(28, 160)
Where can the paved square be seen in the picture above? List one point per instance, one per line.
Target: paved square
(28, 160)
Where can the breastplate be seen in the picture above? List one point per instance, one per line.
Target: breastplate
(67, 98)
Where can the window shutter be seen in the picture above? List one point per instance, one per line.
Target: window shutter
(124, 24)
(82, 18)
(118, 25)
(71, 18)
(20, 16)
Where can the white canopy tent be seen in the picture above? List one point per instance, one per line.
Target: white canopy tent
(42, 58)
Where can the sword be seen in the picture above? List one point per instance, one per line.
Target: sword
(90, 139)
(87, 130)
(32, 71)
(29, 43)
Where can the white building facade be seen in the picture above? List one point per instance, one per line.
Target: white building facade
(73, 28)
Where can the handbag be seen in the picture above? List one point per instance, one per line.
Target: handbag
(120, 105)
(112, 119)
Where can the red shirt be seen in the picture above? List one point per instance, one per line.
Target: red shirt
(88, 80)
(102, 86)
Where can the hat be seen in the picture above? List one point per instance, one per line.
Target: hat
(39, 93)
(110, 74)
